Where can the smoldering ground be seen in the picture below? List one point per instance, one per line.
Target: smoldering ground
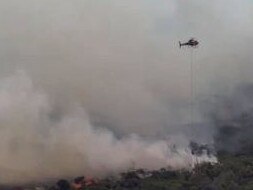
(94, 73)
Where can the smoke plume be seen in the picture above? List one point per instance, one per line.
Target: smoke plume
(102, 85)
(37, 145)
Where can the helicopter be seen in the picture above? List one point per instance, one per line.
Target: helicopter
(191, 43)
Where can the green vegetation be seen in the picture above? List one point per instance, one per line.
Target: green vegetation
(231, 173)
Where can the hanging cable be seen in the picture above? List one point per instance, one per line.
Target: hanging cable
(191, 88)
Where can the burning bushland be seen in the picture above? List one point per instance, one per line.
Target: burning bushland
(231, 173)
(97, 152)
(232, 147)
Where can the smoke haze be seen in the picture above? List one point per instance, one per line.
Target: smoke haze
(37, 145)
(93, 86)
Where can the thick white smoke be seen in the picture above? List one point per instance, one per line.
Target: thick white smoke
(36, 146)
